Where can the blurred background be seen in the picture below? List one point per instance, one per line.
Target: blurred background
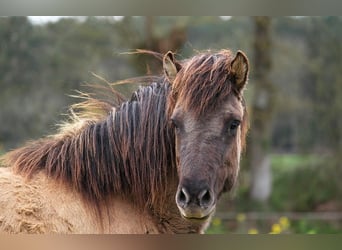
(290, 179)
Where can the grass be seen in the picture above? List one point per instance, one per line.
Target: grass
(280, 226)
(290, 162)
(300, 183)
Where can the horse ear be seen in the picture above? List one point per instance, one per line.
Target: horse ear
(170, 66)
(239, 70)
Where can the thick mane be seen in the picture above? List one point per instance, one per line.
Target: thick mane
(127, 148)
(108, 149)
(203, 82)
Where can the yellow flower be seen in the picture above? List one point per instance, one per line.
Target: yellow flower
(216, 222)
(253, 231)
(241, 217)
(276, 229)
(284, 222)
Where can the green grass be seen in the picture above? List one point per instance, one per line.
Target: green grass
(316, 227)
(300, 183)
(291, 162)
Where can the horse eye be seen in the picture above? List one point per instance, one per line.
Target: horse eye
(234, 125)
(174, 123)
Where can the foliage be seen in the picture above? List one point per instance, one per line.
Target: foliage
(318, 174)
(283, 225)
(301, 183)
(40, 65)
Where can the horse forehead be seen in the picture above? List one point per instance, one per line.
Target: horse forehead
(233, 106)
(212, 121)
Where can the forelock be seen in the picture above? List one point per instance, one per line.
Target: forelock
(203, 82)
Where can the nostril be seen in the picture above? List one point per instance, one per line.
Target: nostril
(183, 197)
(205, 198)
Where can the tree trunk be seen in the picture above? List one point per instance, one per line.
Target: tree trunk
(261, 114)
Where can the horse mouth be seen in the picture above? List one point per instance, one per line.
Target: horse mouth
(196, 219)
(197, 216)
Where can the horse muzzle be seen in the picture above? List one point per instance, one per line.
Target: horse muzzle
(195, 203)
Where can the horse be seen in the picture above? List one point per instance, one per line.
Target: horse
(155, 163)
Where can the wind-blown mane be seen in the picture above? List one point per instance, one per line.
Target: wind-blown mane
(202, 82)
(109, 149)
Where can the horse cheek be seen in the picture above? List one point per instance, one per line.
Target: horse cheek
(177, 151)
(231, 168)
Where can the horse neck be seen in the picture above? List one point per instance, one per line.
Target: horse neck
(131, 152)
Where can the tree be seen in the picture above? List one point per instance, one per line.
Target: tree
(262, 110)
(151, 33)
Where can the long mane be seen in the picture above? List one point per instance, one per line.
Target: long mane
(126, 148)
(109, 148)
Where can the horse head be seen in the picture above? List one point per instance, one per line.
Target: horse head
(207, 112)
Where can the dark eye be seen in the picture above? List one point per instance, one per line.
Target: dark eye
(234, 124)
(175, 124)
